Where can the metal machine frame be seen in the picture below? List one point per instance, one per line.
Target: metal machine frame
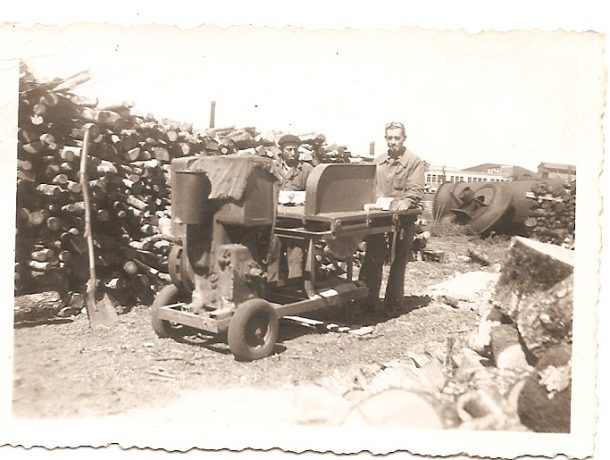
(333, 210)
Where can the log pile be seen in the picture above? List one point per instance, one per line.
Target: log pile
(129, 179)
(313, 148)
(553, 214)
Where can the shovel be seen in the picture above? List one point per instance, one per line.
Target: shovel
(100, 309)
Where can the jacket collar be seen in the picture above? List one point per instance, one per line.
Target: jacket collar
(402, 159)
(289, 172)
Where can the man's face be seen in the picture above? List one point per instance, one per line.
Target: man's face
(290, 153)
(395, 139)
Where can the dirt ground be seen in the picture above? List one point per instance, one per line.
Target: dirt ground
(68, 370)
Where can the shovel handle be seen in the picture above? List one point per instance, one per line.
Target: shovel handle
(87, 204)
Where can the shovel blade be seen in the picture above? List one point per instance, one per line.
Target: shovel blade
(102, 311)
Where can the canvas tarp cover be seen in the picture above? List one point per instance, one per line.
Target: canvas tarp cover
(228, 175)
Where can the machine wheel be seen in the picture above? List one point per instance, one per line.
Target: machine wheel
(168, 295)
(253, 330)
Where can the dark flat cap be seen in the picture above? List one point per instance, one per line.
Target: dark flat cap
(289, 139)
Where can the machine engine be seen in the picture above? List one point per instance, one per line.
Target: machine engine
(223, 211)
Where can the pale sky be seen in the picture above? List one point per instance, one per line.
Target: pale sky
(514, 98)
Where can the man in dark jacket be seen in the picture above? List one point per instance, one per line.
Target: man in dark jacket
(401, 175)
(291, 172)
(292, 175)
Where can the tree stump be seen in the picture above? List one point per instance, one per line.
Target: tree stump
(545, 318)
(530, 267)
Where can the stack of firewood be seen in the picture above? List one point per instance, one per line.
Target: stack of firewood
(313, 148)
(553, 214)
(244, 141)
(129, 182)
(129, 179)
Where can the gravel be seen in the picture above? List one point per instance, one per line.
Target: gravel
(69, 370)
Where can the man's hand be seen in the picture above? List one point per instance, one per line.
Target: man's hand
(403, 204)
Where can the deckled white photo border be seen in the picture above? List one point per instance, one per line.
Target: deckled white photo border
(476, 443)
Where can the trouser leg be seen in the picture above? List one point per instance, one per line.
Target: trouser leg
(273, 260)
(396, 280)
(294, 257)
(372, 266)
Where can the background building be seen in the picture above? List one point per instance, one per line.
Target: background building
(511, 172)
(436, 175)
(556, 171)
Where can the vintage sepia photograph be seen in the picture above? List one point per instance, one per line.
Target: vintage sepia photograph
(326, 240)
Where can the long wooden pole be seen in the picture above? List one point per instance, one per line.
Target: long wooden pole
(91, 285)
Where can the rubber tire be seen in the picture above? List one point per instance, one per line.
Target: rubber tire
(238, 334)
(168, 295)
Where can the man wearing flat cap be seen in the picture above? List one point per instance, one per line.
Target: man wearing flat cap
(292, 173)
(401, 175)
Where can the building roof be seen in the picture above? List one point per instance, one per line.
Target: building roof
(483, 167)
(515, 171)
(452, 170)
(440, 168)
(519, 171)
(559, 166)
